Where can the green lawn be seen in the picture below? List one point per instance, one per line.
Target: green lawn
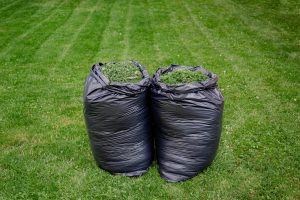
(48, 47)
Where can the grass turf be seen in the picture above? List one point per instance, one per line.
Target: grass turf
(122, 72)
(48, 47)
(182, 76)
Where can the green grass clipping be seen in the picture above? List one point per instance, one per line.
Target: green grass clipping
(122, 72)
(181, 76)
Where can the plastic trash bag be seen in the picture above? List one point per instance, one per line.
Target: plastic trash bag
(117, 120)
(187, 121)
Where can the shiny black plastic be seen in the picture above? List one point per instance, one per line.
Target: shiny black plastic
(187, 121)
(117, 120)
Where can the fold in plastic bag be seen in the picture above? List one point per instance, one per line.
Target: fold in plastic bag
(117, 120)
(187, 121)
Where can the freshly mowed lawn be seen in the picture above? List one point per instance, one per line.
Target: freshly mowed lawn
(48, 47)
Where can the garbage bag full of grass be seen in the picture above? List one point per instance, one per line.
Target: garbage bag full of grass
(117, 117)
(187, 111)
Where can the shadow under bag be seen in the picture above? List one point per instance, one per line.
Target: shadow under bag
(117, 120)
(187, 121)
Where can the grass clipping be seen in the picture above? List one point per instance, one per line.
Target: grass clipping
(122, 72)
(182, 76)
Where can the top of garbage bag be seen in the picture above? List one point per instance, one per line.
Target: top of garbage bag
(209, 83)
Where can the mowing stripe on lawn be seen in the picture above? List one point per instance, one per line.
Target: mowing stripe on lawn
(174, 51)
(112, 46)
(149, 39)
(139, 34)
(192, 57)
(85, 50)
(76, 34)
(127, 26)
(159, 56)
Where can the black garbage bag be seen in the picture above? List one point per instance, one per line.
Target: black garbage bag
(117, 120)
(187, 120)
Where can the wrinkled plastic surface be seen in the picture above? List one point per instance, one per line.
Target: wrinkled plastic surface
(117, 120)
(187, 120)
